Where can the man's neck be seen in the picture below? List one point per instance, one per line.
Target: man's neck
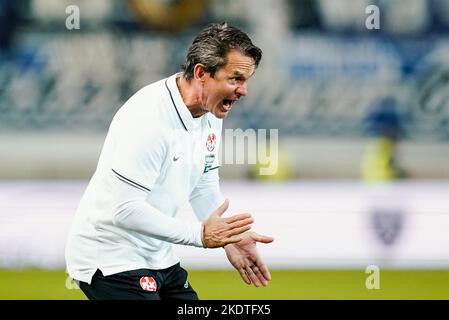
(190, 96)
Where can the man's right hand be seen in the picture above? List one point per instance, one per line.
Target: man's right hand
(219, 231)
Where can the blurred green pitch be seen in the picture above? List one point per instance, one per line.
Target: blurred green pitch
(226, 284)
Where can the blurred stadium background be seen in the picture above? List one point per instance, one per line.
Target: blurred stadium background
(363, 120)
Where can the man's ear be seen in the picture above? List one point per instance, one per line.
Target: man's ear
(199, 72)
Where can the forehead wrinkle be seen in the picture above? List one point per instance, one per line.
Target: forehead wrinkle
(242, 64)
(239, 64)
(241, 69)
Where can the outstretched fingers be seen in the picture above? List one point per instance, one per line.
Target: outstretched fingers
(241, 223)
(237, 231)
(240, 226)
(233, 239)
(261, 238)
(259, 275)
(244, 276)
(237, 217)
(252, 275)
(263, 269)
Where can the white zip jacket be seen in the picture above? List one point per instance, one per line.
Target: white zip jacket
(155, 158)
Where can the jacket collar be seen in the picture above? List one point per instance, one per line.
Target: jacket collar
(185, 116)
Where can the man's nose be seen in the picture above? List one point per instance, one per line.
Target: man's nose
(242, 90)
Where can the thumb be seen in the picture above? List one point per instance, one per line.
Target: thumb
(261, 238)
(222, 209)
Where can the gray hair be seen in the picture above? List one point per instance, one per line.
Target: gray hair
(213, 43)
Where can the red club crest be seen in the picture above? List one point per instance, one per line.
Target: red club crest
(148, 284)
(211, 141)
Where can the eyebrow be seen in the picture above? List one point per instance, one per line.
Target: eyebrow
(238, 74)
(242, 75)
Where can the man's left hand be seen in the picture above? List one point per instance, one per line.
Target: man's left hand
(244, 257)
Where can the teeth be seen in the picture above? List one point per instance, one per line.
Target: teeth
(227, 104)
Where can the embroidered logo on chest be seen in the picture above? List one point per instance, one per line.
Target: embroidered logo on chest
(211, 142)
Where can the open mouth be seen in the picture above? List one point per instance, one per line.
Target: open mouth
(227, 104)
